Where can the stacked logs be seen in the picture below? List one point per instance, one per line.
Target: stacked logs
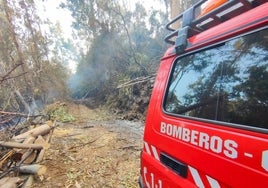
(23, 156)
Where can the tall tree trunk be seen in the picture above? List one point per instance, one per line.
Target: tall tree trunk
(14, 37)
(22, 101)
(21, 58)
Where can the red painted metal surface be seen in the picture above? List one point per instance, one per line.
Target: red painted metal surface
(215, 156)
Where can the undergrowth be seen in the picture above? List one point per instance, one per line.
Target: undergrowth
(59, 112)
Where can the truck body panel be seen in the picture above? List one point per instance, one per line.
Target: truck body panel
(188, 151)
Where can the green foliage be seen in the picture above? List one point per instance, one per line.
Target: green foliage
(59, 113)
(124, 43)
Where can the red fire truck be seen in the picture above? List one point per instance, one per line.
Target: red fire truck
(207, 121)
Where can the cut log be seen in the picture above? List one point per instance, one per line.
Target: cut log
(23, 146)
(50, 123)
(29, 156)
(33, 169)
(29, 140)
(40, 140)
(22, 100)
(41, 130)
(41, 154)
(49, 136)
(10, 182)
(28, 183)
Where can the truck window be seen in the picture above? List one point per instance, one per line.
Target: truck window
(227, 83)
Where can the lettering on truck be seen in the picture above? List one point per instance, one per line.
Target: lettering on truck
(203, 140)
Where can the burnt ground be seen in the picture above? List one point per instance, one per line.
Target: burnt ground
(94, 151)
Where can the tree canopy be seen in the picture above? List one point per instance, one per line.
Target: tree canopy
(31, 74)
(124, 43)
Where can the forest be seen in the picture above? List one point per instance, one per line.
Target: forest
(117, 48)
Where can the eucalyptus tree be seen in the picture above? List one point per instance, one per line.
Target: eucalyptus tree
(122, 44)
(28, 72)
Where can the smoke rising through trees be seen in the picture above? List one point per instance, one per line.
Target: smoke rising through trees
(111, 43)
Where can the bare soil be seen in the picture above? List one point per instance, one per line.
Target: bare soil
(94, 151)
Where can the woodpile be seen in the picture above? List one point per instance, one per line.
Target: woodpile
(21, 157)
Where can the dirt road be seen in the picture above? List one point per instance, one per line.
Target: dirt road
(95, 151)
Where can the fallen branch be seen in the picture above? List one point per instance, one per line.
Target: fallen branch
(136, 81)
(19, 114)
(23, 146)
